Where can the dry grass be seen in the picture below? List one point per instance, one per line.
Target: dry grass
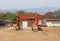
(11, 34)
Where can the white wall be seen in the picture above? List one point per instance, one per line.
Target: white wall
(39, 22)
(42, 22)
(52, 24)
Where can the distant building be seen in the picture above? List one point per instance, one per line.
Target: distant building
(27, 20)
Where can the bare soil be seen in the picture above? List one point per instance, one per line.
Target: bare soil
(48, 34)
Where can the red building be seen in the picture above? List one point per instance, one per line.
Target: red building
(27, 20)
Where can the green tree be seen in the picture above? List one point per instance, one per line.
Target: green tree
(9, 15)
(1, 15)
(21, 12)
(56, 14)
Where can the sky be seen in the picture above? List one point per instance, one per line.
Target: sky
(23, 4)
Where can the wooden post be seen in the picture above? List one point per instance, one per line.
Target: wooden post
(18, 22)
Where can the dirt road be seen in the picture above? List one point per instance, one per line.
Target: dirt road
(49, 34)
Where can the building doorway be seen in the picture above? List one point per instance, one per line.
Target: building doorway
(24, 24)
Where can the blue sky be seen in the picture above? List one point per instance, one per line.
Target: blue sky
(22, 4)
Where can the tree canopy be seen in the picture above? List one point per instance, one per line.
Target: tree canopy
(10, 15)
(21, 12)
(53, 15)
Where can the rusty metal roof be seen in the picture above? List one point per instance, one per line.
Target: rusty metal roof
(31, 16)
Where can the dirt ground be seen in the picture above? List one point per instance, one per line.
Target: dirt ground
(48, 34)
